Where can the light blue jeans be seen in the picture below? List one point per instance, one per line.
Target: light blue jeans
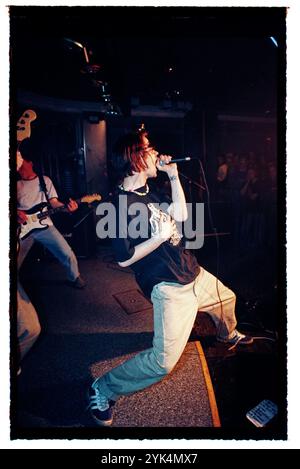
(175, 307)
(56, 244)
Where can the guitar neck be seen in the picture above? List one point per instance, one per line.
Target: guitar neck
(45, 213)
(51, 211)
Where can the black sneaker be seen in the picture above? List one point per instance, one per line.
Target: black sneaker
(236, 338)
(100, 406)
(79, 283)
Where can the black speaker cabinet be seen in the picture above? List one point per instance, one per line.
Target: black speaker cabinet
(82, 237)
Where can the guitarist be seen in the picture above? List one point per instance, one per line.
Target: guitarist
(33, 190)
(28, 324)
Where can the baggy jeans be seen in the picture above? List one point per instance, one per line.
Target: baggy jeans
(54, 241)
(175, 307)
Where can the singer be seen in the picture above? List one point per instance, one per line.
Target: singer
(165, 271)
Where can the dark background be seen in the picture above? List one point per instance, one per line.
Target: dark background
(205, 63)
(219, 56)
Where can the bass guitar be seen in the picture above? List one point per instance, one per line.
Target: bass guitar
(37, 215)
(24, 125)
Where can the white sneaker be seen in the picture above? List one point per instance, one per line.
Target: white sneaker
(236, 338)
(100, 406)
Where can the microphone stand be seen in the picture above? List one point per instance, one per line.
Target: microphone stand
(191, 181)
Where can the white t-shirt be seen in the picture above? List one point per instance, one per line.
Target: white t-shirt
(30, 194)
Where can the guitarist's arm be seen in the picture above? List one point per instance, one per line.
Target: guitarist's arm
(22, 217)
(71, 206)
(19, 160)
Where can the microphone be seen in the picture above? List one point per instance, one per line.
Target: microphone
(176, 160)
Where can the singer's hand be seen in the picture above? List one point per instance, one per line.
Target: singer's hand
(167, 167)
(166, 227)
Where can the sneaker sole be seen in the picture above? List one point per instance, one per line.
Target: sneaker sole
(101, 423)
(249, 341)
(238, 342)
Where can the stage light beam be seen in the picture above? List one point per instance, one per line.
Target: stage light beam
(274, 41)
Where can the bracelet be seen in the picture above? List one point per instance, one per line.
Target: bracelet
(173, 178)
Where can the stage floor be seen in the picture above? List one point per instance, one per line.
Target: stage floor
(86, 332)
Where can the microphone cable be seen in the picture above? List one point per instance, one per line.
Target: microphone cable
(210, 217)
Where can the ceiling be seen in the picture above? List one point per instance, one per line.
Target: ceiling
(220, 57)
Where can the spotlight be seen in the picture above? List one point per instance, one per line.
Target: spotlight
(71, 41)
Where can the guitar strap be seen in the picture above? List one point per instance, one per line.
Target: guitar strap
(43, 187)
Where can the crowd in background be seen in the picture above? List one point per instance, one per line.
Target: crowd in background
(248, 186)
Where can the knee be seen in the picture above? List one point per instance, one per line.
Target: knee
(37, 330)
(166, 365)
(167, 368)
(27, 339)
(230, 297)
(34, 331)
(28, 336)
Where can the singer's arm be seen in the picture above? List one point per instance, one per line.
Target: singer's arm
(166, 228)
(177, 209)
(142, 250)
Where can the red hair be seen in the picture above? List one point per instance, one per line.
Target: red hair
(129, 155)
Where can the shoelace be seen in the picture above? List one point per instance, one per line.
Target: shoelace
(98, 401)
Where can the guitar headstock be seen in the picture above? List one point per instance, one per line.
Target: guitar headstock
(23, 124)
(90, 198)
